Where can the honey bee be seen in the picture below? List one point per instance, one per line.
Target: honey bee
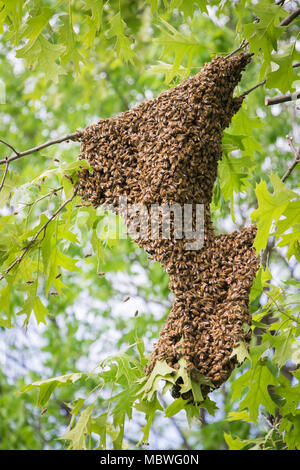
(166, 150)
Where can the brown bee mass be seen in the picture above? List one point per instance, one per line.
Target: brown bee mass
(166, 151)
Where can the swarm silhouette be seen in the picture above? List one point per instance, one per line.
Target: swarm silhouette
(166, 151)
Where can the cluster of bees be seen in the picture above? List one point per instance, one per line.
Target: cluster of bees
(166, 151)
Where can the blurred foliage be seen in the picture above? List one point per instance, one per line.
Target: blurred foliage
(62, 315)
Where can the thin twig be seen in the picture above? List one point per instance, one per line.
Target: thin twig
(42, 229)
(4, 174)
(290, 17)
(282, 98)
(296, 153)
(75, 136)
(10, 146)
(253, 88)
(243, 44)
(297, 64)
(272, 425)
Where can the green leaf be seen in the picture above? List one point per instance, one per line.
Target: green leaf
(168, 70)
(99, 426)
(241, 132)
(154, 4)
(270, 208)
(233, 176)
(118, 440)
(123, 44)
(191, 384)
(241, 352)
(5, 305)
(290, 394)
(257, 379)
(234, 444)
(96, 8)
(263, 35)
(187, 6)
(42, 56)
(261, 281)
(35, 26)
(283, 345)
(284, 77)
(12, 11)
(290, 425)
(149, 408)
(160, 371)
(175, 407)
(67, 262)
(40, 311)
(48, 386)
(78, 434)
(127, 367)
(177, 44)
(67, 38)
(238, 415)
(292, 240)
(210, 406)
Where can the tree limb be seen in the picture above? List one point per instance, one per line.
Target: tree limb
(42, 229)
(290, 17)
(74, 137)
(282, 98)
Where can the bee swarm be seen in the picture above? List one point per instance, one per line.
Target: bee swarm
(166, 151)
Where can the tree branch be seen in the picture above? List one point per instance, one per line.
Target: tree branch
(42, 229)
(243, 44)
(290, 17)
(282, 98)
(253, 88)
(296, 153)
(4, 174)
(74, 137)
(297, 64)
(10, 146)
